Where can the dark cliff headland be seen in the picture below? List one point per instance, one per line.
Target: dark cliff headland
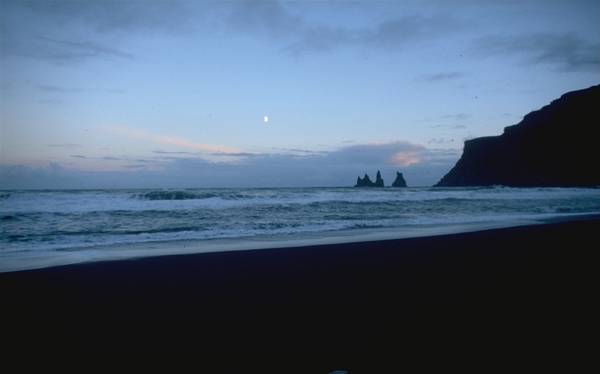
(553, 146)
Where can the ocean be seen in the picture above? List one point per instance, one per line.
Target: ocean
(54, 227)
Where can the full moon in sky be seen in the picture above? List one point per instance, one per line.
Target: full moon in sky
(266, 119)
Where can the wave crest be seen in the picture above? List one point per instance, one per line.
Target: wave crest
(174, 195)
(190, 195)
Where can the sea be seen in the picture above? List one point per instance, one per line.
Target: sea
(40, 228)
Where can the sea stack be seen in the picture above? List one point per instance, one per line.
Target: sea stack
(555, 146)
(364, 181)
(367, 182)
(399, 181)
(378, 180)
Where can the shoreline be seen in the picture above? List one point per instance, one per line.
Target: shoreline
(32, 260)
(518, 287)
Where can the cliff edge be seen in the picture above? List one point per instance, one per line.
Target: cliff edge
(553, 146)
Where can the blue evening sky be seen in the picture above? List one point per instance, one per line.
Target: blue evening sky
(174, 93)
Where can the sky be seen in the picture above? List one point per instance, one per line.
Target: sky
(176, 94)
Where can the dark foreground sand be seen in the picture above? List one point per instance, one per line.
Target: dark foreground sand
(511, 292)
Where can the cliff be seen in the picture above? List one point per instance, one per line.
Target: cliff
(553, 146)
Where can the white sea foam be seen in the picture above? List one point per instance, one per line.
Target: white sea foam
(69, 224)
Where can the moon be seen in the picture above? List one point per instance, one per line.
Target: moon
(266, 119)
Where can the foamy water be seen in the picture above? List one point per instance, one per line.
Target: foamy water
(82, 225)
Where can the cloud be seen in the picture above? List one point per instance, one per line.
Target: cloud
(65, 50)
(49, 26)
(440, 141)
(454, 127)
(398, 31)
(565, 51)
(64, 145)
(406, 158)
(237, 154)
(58, 89)
(444, 76)
(397, 153)
(135, 166)
(298, 36)
(114, 158)
(58, 51)
(67, 32)
(175, 153)
(456, 117)
(176, 141)
(113, 16)
(393, 33)
(339, 167)
(269, 18)
(301, 151)
(51, 88)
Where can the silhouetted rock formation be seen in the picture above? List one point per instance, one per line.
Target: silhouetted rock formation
(554, 146)
(366, 181)
(378, 180)
(399, 181)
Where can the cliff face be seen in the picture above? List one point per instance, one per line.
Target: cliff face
(553, 146)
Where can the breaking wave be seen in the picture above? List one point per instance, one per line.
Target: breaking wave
(187, 195)
(58, 220)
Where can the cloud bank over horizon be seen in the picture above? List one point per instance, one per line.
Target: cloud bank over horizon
(339, 168)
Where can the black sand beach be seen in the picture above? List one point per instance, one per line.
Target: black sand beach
(512, 291)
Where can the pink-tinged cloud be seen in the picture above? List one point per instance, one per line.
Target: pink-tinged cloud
(394, 153)
(406, 158)
(175, 141)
